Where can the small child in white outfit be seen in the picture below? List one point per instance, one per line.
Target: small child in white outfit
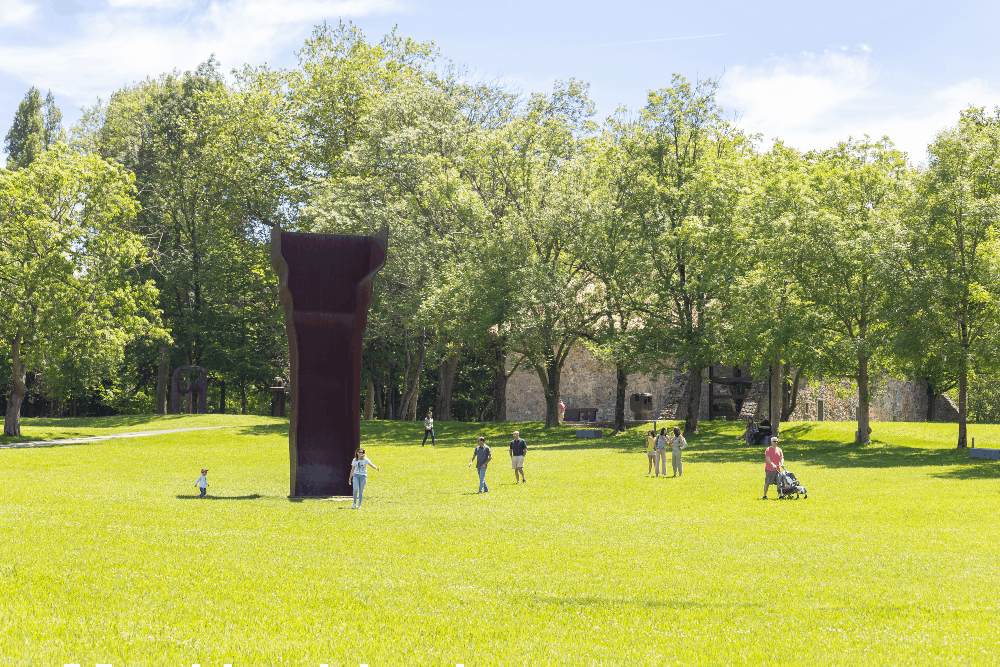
(202, 482)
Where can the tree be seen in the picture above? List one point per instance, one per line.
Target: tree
(535, 160)
(67, 265)
(954, 268)
(25, 140)
(215, 168)
(695, 162)
(770, 321)
(844, 250)
(611, 248)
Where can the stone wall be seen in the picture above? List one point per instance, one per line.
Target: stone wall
(589, 383)
(585, 383)
(893, 400)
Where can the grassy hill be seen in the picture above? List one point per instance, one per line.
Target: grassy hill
(107, 556)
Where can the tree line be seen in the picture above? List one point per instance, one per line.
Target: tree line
(664, 238)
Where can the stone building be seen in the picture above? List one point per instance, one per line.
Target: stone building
(588, 383)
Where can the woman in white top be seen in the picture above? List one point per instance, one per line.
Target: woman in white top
(359, 475)
(677, 443)
(660, 449)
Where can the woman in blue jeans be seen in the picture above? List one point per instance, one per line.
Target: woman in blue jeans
(359, 475)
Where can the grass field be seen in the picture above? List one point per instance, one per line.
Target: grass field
(107, 556)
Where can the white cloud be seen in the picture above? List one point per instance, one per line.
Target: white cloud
(128, 40)
(16, 12)
(814, 101)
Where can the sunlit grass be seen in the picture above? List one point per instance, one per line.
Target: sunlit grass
(106, 555)
(79, 427)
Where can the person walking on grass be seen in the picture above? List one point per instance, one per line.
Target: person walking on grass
(660, 449)
(428, 428)
(677, 443)
(482, 456)
(359, 476)
(518, 449)
(774, 461)
(650, 450)
(562, 411)
(202, 482)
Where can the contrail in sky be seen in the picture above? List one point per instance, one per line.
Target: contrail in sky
(597, 46)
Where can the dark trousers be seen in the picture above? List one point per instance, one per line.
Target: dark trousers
(427, 432)
(203, 490)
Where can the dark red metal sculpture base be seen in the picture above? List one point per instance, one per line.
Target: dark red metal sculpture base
(325, 285)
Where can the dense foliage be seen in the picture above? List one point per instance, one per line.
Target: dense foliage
(664, 239)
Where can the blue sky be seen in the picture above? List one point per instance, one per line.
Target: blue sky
(809, 73)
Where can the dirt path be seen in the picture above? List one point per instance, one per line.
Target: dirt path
(98, 438)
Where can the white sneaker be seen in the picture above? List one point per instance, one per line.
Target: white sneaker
(354, 507)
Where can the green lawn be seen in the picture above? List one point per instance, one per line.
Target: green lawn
(55, 429)
(107, 556)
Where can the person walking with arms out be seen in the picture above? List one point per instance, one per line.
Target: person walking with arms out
(428, 428)
(650, 450)
(677, 443)
(518, 449)
(359, 476)
(774, 460)
(482, 457)
(202, 482)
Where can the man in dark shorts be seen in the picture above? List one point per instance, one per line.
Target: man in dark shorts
(774, 461)
(482, 456)
(518, 448)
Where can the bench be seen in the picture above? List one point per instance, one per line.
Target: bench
(980, 453)
(590, 433)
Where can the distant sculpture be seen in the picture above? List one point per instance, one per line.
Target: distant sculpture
(201, 385)
(278, 398)
(325, 286)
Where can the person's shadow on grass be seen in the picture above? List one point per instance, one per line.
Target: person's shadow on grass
(195, 496)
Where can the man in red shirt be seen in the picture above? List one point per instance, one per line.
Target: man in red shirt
(774, 460)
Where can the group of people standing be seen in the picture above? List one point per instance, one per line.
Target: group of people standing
(656, 451)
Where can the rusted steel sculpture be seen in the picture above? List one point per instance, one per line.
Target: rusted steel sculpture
(201, 385)
(325, 286)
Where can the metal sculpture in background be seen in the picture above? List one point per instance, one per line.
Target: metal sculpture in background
(278, 398)
(325, 286)
(200, 385)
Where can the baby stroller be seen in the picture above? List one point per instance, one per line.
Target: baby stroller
(789, 487)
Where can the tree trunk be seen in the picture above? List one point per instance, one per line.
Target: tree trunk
(446, 383)
(401, 410)
(12, 422)
(243, 396)
(694, 399)
(790, 398)
(162, 378)
(620, 401)
(409, 403)
(963, 396)
(551, 376)
(931, 399)
(379, 408)
(370, 400)
(864, 402)
(222, 397)
(500, 377)
(774, 396)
